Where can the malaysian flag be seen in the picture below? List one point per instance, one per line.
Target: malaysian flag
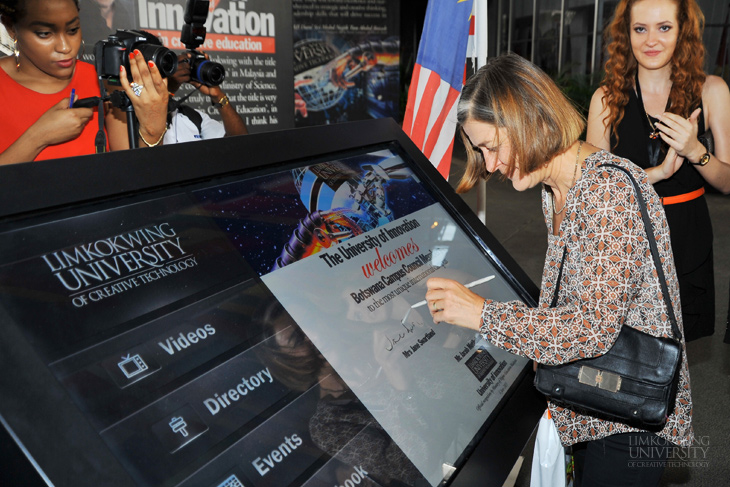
(430, 118)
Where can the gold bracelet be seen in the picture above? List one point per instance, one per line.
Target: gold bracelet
(158, 140)
(222, 102)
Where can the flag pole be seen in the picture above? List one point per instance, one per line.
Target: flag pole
(479, 59)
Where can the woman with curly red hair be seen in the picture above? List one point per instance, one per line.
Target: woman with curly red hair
(653, 107)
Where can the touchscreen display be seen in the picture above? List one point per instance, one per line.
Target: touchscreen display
(265, 330)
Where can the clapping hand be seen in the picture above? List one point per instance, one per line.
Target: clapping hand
(681, 134)
(671, 164)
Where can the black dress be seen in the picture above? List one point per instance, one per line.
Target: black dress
(689, 222)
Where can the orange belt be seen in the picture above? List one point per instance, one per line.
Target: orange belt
(682, 198)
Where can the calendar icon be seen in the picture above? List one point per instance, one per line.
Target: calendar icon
(231, 481)
(132, 365)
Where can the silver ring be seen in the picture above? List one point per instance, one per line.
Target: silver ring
(137, 88)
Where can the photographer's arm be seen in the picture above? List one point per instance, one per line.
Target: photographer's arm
(232, 121)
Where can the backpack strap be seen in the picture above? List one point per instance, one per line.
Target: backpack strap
(189, 112)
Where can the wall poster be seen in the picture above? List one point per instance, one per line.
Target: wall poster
(288, 63)
(346, 60)
(250, 38)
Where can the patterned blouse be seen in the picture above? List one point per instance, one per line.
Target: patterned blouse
(608, 281)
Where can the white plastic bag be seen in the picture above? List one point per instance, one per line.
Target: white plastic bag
(548, 459)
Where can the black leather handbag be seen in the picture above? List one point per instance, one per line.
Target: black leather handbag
(635, 381)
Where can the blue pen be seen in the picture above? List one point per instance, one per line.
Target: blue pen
(71, 103)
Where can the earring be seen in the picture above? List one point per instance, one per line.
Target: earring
(80, 54)
(17, 54)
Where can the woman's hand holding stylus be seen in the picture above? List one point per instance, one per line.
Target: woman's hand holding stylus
(453, 303)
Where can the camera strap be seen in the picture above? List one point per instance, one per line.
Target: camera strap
(100, 140)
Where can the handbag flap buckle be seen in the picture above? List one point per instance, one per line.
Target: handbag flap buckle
(607, 381)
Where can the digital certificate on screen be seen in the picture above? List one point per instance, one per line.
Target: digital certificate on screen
(267, 329)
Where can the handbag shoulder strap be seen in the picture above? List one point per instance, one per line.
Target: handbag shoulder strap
(654, 253)
(654, 250)
(554, 302)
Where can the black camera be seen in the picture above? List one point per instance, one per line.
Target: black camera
(114, 52)
(205, 71)
(192, 36)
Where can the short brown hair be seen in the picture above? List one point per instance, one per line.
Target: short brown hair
(513, 94)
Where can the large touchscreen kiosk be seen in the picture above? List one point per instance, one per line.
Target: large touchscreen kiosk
(262, 327)
(349, 257)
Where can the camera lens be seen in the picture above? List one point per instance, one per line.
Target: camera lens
(165, 59)
(210, 73)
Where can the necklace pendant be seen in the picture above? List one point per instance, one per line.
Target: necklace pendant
(654, 135)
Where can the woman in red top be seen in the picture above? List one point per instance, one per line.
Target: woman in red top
(36, 85)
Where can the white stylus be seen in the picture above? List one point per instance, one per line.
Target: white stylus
(468, 286)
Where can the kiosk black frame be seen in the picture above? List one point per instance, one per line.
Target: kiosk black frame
(44, 427)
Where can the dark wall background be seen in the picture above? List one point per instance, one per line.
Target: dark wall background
(412, 15)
